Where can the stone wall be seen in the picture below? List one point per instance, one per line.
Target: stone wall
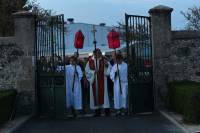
(17, 63)
(176, 54)
(161, 37)
(184, 56)
(10, 65)
(181, 60)
(13, 74)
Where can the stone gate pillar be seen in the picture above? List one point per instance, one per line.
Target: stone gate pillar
(161, 37)
(25, 39)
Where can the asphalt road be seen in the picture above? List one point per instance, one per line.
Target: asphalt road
(154, 123)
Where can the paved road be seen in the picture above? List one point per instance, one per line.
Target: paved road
(136, 124)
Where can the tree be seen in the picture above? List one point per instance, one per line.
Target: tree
(8, 7)
(138, 33)
(192, 15)
(36, 9)
(121, 29)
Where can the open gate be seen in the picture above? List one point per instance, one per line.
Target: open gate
(50, 60)
(140, 63)
(50, 65)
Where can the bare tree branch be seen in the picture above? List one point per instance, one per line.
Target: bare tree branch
(192, 15)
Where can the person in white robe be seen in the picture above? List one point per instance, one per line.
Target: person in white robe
(73, 85)
(96, 73)
(120, 94)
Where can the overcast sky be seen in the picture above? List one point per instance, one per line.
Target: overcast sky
(112, 11)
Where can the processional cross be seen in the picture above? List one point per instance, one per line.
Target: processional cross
(95, 44)
(96, 68)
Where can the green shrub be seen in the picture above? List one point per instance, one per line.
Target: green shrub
(7, 98)
(184, 98)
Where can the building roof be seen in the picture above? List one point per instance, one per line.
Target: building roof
(101, 37)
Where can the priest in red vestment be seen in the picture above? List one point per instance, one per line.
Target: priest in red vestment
(97, 69)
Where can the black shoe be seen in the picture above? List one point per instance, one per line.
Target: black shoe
(74, 115)
(118, 113)
(124, 112)
(83, 112)
(107, 112)
(97, 113)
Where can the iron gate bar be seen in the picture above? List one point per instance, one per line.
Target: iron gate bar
(58, 38)
(64, 61)
(142, 47)
(49, 44)
(128, 60)
(41, 39)
(44, 43)
(36, 64)
(49, 40)
(53, 58)
(137, 26)
(139, 47)
(139, 52)
(145, 46)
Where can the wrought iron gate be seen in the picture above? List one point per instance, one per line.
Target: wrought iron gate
(50, 60)
(140, 64)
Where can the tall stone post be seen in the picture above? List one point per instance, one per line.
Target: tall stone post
(161, 37)
(25, 39)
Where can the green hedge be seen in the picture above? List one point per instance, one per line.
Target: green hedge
(184, 98)
(7, 98)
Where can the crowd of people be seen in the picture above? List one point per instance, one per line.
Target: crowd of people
(100, 81)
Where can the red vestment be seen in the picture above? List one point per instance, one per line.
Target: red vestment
(98, 99)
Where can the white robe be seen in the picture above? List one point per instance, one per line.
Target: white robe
(90, 76)
(73, 99)
(120, 100)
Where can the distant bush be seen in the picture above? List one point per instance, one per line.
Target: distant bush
(7, 98)
(184, 98)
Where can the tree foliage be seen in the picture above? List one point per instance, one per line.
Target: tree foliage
(8, 7)
(192, 15)
(138, 33)
(35, 8)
